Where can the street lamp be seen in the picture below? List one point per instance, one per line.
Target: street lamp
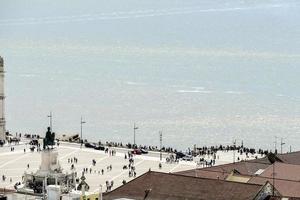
(281, 144)
(134, 130)
(275, 143)
(50, 120)
(100, 192)
(81, 122)
(160, 141)
(234, 147)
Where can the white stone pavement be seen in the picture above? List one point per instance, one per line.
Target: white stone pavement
(14, 164)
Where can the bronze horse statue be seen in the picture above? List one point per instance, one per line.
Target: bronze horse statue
(49, 139)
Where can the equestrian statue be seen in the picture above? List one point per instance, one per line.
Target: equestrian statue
(49, 139)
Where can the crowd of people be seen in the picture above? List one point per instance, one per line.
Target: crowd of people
(134, 146)
(4, 178)
(199, 151)
(130, 166)
(129, 157)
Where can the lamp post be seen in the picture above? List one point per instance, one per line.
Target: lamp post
(50, 120)
(281, 144)
(134, 130)
(81, 122)
(44, 188)
(160, 141)
(272, 159)
(234, 145)
(100, 192)
(275, 143)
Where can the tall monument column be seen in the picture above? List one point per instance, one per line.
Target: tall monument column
(2, 116)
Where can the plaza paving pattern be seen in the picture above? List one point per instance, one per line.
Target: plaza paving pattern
(14, 164)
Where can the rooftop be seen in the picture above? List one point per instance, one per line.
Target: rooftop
(287, 178)
(157, 185)
(246, 168)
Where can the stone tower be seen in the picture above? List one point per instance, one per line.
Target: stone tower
(2, 118)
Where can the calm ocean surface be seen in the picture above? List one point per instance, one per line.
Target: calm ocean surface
(203, 72)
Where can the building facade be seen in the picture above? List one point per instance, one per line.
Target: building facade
(2, 97)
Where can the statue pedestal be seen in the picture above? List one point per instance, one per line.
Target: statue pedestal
(49, 162)
(49, 173)
(53, 192)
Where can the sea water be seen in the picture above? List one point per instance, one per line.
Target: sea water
(202, 72)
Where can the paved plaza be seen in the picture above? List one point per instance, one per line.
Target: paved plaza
(14, 164)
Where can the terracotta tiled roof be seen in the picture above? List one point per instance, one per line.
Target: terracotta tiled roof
(211, 173)
(290, 158)
(245, 168)
(287, 178)
(163, 186)
(281, 198)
